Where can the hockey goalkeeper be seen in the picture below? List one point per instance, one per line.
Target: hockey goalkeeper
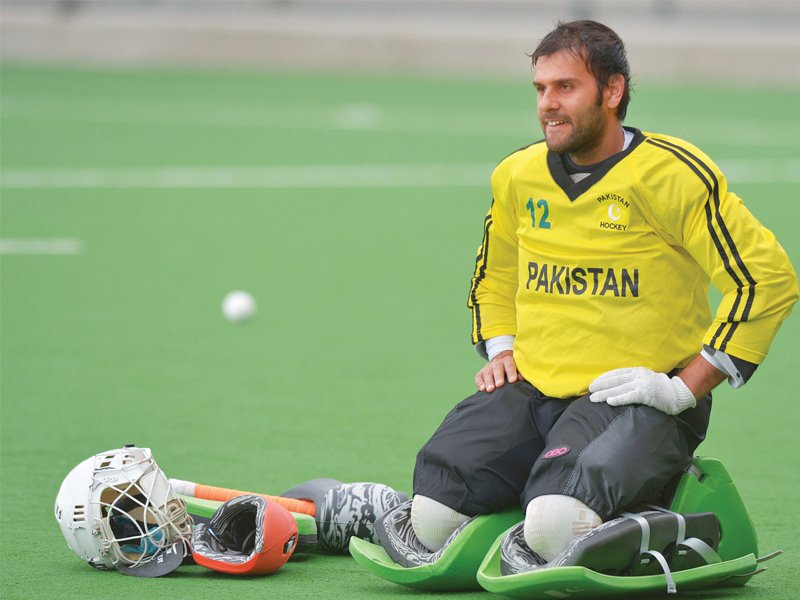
(589, 299)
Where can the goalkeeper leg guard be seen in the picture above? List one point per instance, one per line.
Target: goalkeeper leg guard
(552, 521)
(396, 535)
(345, 510)
(648, 543)
(433, 522)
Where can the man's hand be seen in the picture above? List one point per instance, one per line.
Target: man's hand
(495, 373)
(639, 385)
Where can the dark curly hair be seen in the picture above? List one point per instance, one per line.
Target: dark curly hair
(599, 46)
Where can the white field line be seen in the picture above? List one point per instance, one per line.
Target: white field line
(761, 170)
(29, 246)
(347, 117)
(376, 118)
(276, 177)
(457, 175)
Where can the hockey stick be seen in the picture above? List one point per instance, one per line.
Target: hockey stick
(221, 494)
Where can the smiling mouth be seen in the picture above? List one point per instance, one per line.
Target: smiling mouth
(554, 123)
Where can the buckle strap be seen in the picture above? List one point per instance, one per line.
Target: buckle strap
(706, 552)
(644, 548)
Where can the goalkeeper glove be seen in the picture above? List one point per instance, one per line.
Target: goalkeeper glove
(639, 385)
(247, 535)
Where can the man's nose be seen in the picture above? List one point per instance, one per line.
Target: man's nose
(547, 100)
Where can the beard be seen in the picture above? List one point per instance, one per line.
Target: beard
(585, 137)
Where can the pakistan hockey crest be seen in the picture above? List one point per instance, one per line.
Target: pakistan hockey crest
(613, 212)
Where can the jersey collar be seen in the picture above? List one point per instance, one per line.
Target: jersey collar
(573, 190)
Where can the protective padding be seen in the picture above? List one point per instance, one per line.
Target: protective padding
(433, 522)
(580, 582)
(456, 567)
(553, 520)
(202, 511)
(615, 547)
(345, 510)
(707, 487)
(248, 535)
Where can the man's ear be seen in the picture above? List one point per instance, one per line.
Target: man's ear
(615, 89)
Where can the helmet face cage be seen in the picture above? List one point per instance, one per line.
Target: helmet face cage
(132, 511)
(139, 514)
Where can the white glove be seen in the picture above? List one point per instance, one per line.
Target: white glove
(639, 385)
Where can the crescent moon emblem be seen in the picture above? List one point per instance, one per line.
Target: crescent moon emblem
(614, 213)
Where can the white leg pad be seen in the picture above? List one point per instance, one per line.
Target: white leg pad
(433, 522)
(552, 521)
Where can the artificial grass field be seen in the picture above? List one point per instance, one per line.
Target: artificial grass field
(351, 207)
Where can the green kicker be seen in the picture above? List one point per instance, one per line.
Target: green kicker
(706, 487)
(456, 567)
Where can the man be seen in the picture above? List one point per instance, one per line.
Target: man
(589, 299)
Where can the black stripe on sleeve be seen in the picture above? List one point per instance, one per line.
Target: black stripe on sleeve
(751, 287)
(713, 191)
(718, 215)
(479, 274)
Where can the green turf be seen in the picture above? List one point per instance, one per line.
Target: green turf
(360, 345)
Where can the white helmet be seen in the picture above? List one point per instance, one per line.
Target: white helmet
(117, 510)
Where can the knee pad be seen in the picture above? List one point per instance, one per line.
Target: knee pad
(433, 522)
(552, 521)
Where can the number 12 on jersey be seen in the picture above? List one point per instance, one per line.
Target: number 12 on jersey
(544, 212)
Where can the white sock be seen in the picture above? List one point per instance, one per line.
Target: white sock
(433, 522)
(552, 521)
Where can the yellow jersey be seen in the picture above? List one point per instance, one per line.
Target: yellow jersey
(614, 270)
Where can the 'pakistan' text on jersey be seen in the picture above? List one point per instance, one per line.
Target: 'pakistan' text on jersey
(614, 271)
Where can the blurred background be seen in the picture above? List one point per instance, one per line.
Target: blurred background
(733, 40)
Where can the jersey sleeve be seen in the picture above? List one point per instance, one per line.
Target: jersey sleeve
(742, 257)
(494, 281)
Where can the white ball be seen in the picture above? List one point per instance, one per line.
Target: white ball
(238, 306)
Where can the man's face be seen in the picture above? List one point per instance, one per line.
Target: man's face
(571, 111)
